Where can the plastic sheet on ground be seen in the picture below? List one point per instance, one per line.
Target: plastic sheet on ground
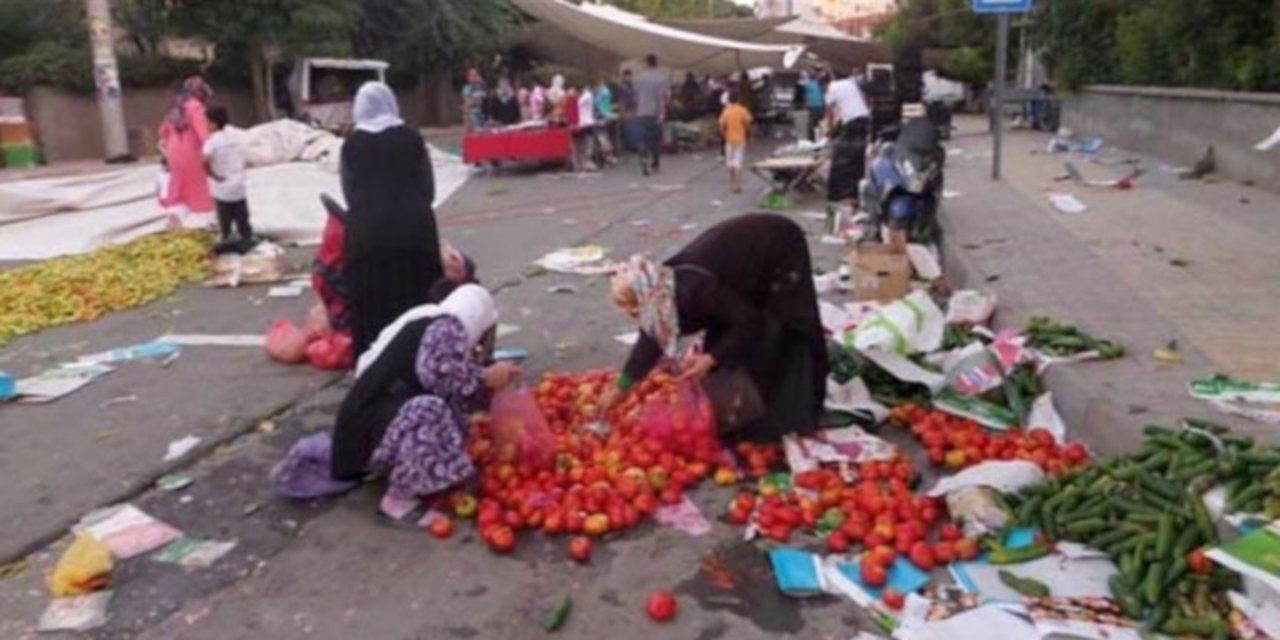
(1071, 570)
(56, 216)
(913, 324)
(1043, 414)
(57, 382)
(191, 553)
(684, 516)
(970, 306)
(1257, 401)
(1067, 203)
(1269, 143)
(925, 262)
(1005, 476)
(853, 397)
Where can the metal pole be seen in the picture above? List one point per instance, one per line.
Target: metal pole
(106, 77)
(997, 113)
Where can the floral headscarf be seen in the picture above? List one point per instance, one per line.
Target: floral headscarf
(193, 87)
(654, 287)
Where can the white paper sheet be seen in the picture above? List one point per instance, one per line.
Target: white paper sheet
(1005, 476)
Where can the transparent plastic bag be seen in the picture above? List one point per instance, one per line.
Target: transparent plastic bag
(520, 432)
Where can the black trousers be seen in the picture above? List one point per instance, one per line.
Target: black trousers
(848, 160)
(234, 213)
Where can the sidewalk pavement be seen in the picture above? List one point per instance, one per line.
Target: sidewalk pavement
(1194, 262)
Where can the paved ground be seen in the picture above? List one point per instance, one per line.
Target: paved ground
(329, 570)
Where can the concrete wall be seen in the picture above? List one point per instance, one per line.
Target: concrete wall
(69, 128)
(1177, 125)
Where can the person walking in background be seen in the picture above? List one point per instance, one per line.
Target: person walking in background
(474, 96)
(392, 252)
(735, 122)
(626, 100)
(506, 106)
(653, 92)
(224, 158)
(537, 102)
(182, 136)
(849, 119)
(814, 102)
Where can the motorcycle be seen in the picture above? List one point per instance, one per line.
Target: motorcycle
(904, 179)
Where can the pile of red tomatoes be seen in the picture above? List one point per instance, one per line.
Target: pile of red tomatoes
(957, 442)
(600, 482)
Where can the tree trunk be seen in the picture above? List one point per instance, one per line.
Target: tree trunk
(258, 82)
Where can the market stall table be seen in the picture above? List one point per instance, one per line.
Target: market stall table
(789, 172)
(519, 145)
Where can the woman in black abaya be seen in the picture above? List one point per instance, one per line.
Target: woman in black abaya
(392, 254)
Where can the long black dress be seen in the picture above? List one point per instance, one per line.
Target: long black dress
(748, 283)
(392, 253)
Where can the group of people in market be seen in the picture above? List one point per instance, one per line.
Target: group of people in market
(423, 334)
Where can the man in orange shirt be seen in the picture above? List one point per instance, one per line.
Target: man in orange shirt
(735, 121)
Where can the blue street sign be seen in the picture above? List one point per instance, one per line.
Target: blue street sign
(1001, 6)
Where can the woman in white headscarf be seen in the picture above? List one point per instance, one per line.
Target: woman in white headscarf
(555, 97)
(406, 416)
(392, 252)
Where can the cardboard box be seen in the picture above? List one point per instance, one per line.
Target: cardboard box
(879, 273)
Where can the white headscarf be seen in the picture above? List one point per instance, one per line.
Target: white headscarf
(556, 92)
(375, 109)
(471, 304)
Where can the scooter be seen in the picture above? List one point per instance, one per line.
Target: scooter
(904, 182)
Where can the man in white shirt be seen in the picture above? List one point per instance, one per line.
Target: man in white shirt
(224, 158)
(849, 117)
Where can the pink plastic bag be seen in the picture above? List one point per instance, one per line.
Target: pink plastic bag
(685, 425)
(333, 352)
(285, 342)
(317, 324)
(520, 432)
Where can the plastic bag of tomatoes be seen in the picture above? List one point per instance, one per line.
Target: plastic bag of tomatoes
(520, 432)
(684, 423)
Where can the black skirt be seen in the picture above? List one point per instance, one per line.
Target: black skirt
(848, 161)
(383, 286)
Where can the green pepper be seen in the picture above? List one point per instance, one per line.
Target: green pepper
(556, 617)
(1004, 555)
(1028, 587)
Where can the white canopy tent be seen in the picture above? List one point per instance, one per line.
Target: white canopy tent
(632, 36)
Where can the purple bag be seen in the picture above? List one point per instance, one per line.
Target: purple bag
(304, 471)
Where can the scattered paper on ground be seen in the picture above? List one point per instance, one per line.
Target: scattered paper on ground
(214, 340)
(180, 447)
(135, 352)
(284, 291)
(192, 553)
(583, 260)
(1270, 143)
(1005, 476)
(685, 516)
(126, 530)
(1066, 203)
(79, 613)
(58, 382)
(629, 338)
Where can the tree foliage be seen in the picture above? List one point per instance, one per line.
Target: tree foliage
(683, 9)
(947, 24)
(416, 36)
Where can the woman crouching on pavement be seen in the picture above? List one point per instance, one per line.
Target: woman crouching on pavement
(406, 415)
(747, 283)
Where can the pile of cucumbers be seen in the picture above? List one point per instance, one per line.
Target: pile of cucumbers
(1147, 511)
(1063, 340)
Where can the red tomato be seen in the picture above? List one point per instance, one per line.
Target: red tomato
(893, 599)
(966, 548)
(873, 574)
(1199, 563)
(661, 606)
(922, 556)
(501, 539)
(950, 531)
(441, 527)
(1041, 437)
(1075, 453)
(884, 555)
(837, 542)
(580, 549)
(943, 552)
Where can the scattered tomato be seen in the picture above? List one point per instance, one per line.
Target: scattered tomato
(873, 574)
(893, 599)
(661, 605)
(441, 527)
(580, 549)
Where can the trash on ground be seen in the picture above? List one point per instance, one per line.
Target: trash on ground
(979, 509)
(1270, 142)
(126, 530)
(587, 260)
(852, 397)
(264, 264)
(685, 516)
(989, 621)
(284, 291)
(1264, 615)
(1168, 354)
(191, 553)
(304, 473)
(629, 338)
(1005, 476)
(846, 445)
(924, 261)
(214, 340)
(1067, 203)
(285, 342)
(147, 350)
(562, 288)
(1257, 401)
(1058, 341)
(1044, 415)
(970, 306)
(558, 614)
(948, 194)
(505, 330)
(126, 399)
(55, 383)
(511, 354)
(180, 447)
(84, 567)
(78, 613)
(798, 573)
(173, 482)
(833, 240)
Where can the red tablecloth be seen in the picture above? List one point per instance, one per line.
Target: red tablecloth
(554, 143)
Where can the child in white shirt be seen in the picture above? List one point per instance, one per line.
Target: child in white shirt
(224, 159)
